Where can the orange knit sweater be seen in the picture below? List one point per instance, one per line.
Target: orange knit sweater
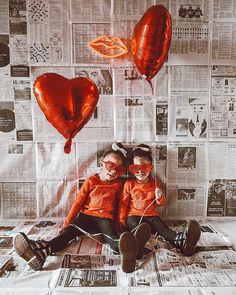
(95, 198)
(136, 197)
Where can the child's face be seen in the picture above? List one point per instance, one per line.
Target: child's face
(112, 167)
(142, 173)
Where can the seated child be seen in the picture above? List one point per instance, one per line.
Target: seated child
(140, 198)
(92, 211)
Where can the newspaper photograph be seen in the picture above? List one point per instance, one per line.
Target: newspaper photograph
(17, 17)
(5, 54)
(186, 163)
(223, 98)
(134, 119)
(190, 11)
(101, 76)
(189, 78)
(17, 162)
(221, 197)
(7, 121)
(162, 119)
(48, 32)
(189, 116)
(87, 278)
(18, 199)
(91, 261)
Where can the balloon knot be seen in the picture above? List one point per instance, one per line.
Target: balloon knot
(67, 147)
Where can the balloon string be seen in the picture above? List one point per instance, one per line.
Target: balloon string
(150, 83)
(67, 147)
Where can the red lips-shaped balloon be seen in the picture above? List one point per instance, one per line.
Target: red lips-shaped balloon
(151, 41)
(67, 104)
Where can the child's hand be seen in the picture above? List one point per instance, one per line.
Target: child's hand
(158, 193)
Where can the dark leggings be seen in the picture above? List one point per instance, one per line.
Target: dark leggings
(90, 224)
(156, 224)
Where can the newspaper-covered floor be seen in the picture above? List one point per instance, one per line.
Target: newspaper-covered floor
(87, 266)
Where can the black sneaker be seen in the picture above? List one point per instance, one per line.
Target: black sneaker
(142, 235)
(34, 252)
(128, 250)
(186, 242)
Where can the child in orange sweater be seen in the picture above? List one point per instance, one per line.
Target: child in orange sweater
(92, 211)
(140, 199)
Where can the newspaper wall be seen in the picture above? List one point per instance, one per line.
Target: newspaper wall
(189, 121)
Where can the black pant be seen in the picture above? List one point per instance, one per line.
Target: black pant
(156, 223)
(90, 224)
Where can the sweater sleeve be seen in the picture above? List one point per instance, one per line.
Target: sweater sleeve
(124, 203)
(78, 203)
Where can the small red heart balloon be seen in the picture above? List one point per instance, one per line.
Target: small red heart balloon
(151, 41)
(67, 104)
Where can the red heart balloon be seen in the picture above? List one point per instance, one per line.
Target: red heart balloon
(67, 104)
(151, 41)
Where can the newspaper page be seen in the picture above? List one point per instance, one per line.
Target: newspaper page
(17, 162)
(189, 116)
(134, 119)
(190, 44)
(88, 155)
(18, 49)
(5, 82)
(24, 128)
(82, 33)
(186, 163)
(87, 278)
(128, 81)
(166, 291)
(18, 199)
(53, 163)
(49, 41)
(88, 11)
(185, 201)
(133, 9)
(4, 16)
(165, 268)
(56, 197)
(223, 44)
(223, 97)
(101, 76)
(100, 126)
(189, 78)
(224, 10)
(226, 228)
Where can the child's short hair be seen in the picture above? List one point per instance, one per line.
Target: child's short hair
(142, 150)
